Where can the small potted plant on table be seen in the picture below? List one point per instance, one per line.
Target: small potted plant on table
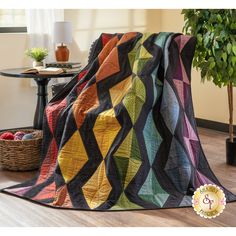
(215, 55)
(38, 55)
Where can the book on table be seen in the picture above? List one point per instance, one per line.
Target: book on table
(44, 71)
(66, 65)
(73, 70)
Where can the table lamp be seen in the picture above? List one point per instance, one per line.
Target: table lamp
(62, 36)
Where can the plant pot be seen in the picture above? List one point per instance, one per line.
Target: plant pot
(37, 63)
(231, 152)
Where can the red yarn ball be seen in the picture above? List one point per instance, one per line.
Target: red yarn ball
(7, 136)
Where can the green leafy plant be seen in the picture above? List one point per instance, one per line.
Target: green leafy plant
(38, 54)
(215, 54)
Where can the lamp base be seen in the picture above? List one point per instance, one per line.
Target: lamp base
(62, 54)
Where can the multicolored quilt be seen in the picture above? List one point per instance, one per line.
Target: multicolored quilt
(122, 134)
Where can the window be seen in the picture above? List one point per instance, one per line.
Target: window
(12, 21)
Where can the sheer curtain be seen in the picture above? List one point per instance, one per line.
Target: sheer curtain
(40, 29)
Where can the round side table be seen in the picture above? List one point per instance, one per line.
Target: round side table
(42, 84)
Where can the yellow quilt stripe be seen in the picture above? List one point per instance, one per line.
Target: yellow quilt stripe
(72, 157)
(105, 130)
(98, 188)
(118, 91)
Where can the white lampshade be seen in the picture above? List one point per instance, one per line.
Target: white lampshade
(62, 32)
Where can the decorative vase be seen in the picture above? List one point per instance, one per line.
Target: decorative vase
(231, 152)
(62, 54)
(37, 63)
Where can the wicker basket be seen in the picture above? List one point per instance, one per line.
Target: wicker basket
(20, 155)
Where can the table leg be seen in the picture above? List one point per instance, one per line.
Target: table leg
(42, 101)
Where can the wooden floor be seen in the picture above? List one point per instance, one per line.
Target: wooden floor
(18, 212)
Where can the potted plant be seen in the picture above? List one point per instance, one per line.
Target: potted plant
(38, 55)
(215, 55)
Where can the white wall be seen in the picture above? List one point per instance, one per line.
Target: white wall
(17, 97)
(89, 24)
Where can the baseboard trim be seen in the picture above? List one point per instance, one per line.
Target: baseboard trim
(29, 127)
(215, 125)
(208, 124)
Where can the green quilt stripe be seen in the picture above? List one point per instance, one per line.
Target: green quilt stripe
(151, 191)
(124, 203)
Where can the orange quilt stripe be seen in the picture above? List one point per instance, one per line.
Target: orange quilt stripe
(107, 49)
(85, 102)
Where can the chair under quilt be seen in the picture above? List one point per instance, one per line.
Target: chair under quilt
(122, 134)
